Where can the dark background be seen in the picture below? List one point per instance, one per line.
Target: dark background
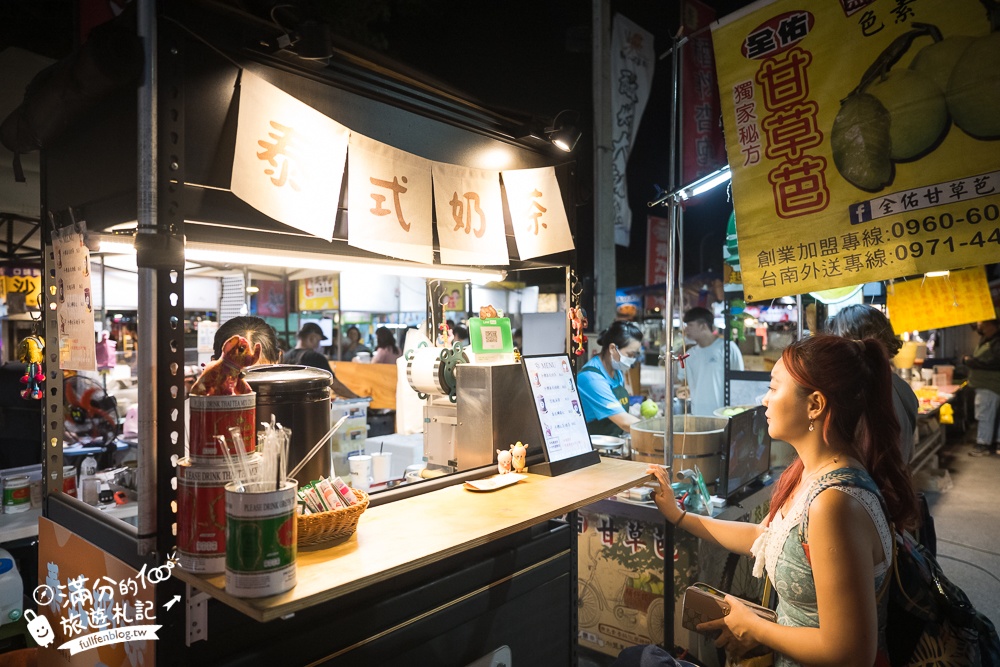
(522, 57)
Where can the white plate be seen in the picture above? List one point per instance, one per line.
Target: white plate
(495, 482)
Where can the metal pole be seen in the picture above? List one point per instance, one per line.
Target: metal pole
(801, 316)
(104, 296)
(605, 270)
(146, 216)
(668, 421)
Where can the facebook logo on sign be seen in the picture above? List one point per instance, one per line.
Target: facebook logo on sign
(860, 212)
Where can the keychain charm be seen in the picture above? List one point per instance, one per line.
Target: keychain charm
(31, 351)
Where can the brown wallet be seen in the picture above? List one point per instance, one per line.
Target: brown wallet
(704, 603)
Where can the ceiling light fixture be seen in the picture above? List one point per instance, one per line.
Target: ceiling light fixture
(706, 183)
(292, 260)
(701, 186)
(564, 135)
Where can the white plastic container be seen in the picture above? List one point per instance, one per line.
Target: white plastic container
(351, 438)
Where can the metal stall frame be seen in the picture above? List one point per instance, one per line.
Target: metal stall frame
(162, 207)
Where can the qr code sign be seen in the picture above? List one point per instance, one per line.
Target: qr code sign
(492, 340)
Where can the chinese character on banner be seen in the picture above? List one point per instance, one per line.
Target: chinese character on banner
(657, 258)
(389, 201)
(319, 293)
(289, 159)
(470, 220)
(865, 173)
(537, 212)
(704, 149)
(633, 61)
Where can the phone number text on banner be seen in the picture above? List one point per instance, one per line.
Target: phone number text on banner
(863, 142)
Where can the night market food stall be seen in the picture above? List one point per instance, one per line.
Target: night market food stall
(434, 574)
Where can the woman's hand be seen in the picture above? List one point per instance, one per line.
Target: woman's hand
(664, 497)
(736, 628)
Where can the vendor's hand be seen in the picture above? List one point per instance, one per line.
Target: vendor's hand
(664, 497)
(682, 392)
(736, 628)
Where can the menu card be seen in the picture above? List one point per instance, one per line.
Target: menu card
(557, 403)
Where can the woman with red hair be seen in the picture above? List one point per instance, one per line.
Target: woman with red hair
(827, 542)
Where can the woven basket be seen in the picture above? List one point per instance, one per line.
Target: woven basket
(324, 526)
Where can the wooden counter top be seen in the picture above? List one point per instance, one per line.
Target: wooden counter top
(404, 535)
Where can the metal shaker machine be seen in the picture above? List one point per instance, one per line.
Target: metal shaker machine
(472, 409)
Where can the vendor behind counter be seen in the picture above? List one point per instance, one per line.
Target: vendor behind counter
(601, 381)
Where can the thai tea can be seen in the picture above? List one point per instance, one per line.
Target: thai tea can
(261, 531)
(16, 494)
(213, 416)
(201, 514)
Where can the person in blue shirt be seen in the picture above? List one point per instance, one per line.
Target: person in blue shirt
(601, 381)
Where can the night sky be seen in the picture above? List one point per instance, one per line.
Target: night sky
(534, 57)
(523, 57)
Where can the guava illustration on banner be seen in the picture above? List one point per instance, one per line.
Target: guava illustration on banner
(863, 138)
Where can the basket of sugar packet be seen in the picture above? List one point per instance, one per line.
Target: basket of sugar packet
(328, 509)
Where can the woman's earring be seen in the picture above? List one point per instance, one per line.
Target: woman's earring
(811, 427)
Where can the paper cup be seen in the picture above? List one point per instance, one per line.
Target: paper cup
(381, 467)
(361, 471)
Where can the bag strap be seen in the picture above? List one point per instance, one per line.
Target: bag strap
(893, 570)
(765, 597)
(841, 478)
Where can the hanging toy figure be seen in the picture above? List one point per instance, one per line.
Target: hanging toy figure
(31, 351)
(578, 321)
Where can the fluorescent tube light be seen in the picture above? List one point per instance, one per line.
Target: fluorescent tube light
(705, 184)
(214, 254)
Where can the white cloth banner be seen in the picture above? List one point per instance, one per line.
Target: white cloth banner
(289, 161)
(469, 215)
(632, 61)
(389, 201)
(75, 306)
(536, 212)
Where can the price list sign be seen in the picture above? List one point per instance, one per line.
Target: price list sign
(943, 301)
(557, 403)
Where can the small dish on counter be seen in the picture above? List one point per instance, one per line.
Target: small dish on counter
(495, 482)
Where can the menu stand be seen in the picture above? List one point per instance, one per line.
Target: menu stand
(553, 468)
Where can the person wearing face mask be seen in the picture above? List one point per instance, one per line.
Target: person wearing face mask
(601, 381)
(704, 368)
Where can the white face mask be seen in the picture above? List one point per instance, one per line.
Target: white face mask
(624, 363)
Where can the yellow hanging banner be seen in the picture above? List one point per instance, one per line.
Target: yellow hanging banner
(943, 301)
(319, 293)
(862, 138)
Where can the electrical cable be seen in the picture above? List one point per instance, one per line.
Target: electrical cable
(969, 546)
(965, 562)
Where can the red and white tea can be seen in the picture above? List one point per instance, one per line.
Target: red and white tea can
(201, 514)
(212, 416)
